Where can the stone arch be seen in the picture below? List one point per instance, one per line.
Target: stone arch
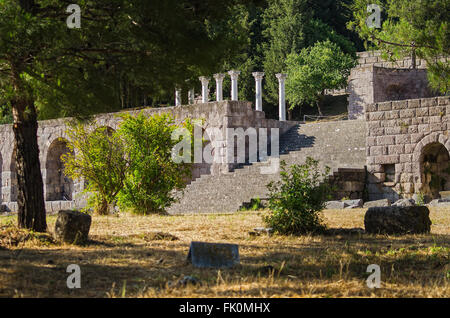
(58, 186)
(432, 164)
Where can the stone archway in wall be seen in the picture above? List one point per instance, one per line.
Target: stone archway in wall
(58, 186)
(431, 164)
(435, 169)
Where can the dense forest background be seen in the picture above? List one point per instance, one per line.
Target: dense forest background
(255, 36)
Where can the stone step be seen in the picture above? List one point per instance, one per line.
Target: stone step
(335, 144)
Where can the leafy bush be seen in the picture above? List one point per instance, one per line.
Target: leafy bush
(98, 156)
(152, 174)
(296, 200)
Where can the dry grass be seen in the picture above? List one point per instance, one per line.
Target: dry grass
(137, 256)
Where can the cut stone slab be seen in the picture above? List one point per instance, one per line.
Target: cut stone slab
(404, 202)
(352, 207)
(397, 220)
(213, 255)
(377, 203)
(336, 205)
(358, 203)
(72, 227)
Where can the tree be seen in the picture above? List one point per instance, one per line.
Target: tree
(289, 27)
(152, 174)
(322, 66)
(419, 29)
(98, 157)
(284, 23)
(47, 67)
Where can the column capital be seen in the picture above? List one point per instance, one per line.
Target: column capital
(258, 75)
(234, 74)
(281, 76)
(219, 76)
(204, 79)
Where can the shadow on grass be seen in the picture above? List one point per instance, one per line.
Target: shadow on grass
(132, 267)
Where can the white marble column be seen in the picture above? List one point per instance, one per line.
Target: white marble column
(205, 91)
(177, 97)
(234, 84)
(219, 86)
(191, 96)
(282, 97)
(258, 80)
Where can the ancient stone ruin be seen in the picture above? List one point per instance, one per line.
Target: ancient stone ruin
(396, 146)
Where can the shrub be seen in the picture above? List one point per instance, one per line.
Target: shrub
(296, 200)
(152, 174)
(98, 156)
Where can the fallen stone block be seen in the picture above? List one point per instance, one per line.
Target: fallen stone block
(359, 203)
(377, 203)
(213, 255)
(335, 205)
(404, 202)
(72, 227)
(397, 220)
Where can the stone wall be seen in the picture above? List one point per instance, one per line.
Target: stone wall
(348, 183)
(374, 58)
(63, 193)
(371, 84)
(398, 133)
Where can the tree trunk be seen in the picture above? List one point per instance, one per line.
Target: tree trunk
(102, 209)
(30, 197)
(319, 104)
(289, 114)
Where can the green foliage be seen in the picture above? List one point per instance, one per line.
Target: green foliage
(296, 200)
(254, 205)
(97, 156)
(152, 174)
(289, 27)
(322, 66)
(419, 27)
(420, 199)
(132, 166)
(124, 52)
(284, 22)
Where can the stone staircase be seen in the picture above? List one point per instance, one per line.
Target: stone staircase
(335, 144)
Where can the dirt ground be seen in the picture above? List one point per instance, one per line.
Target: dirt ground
(142, 256)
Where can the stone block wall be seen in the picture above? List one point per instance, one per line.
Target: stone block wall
(374, 58)
(349, 183)
(397, 134)
(371, 84)
(52, 139)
